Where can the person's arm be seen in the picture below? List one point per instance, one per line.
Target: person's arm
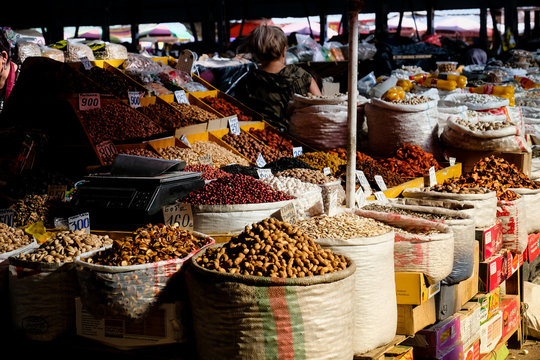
(314, 88)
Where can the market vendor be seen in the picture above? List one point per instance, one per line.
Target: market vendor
(269, 88)
(9, 70)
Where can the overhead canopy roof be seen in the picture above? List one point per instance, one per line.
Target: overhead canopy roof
(101, 12)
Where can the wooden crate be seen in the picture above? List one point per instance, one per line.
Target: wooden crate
(468, 158)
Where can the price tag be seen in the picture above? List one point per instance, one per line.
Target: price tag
(185, 140)
(264, 173)
(288, 213)
(57, 192)
(432, 176)
(363, 181)
(80, 222)
(332, 203)
(452, 161)
(488, 238)
(86, 62)
(206, 160)
(106, 151)
(134, 99)
(179, 213)
(181, 97)
(493, 268)
(297, 151)
(326, 171)
(234, 127)
(380, 182)
(360, 197)
(7, 216)
(260, 161)
(89, 101)
(381, 197)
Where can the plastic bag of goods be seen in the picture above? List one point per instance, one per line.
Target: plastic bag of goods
(113, 286)
(513, 215)
(43, 285)
(420, 245)
(74, 51)
(109, 51)
(321, 121)
(370, 244)
(27, 49)
(55, 54)
(481, 206)
(531, 198)
(140, 62)
(308, 197)
(462, 226)
(503, 136)
(266, 305)
(392, 124)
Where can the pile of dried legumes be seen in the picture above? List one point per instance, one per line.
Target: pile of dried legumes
(272, 248)
(235, 189)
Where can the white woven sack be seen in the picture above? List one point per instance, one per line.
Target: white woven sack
(464, 236)
(464, 99)
(392, 125)
(513, 215)
(531, 197)
(458, 138)
(481, 207)
(430, 254)
(231, 219)
(4, 262)
(446, 111)
(375, 290)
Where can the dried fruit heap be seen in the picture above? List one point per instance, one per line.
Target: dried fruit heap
(495, 174)
(411, 161)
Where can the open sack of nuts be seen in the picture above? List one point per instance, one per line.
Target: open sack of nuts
(420, 245)
(43, 284)
(370, 244)
(133, 275)
(271, 276)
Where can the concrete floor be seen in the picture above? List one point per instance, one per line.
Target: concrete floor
(530, 351)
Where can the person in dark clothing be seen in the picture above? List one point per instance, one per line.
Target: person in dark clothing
(9, 69)
(269, 88)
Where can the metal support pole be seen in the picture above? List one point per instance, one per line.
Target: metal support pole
(352, 103)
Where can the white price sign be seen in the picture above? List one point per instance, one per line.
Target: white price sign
(106, 151)
(432, 176)
(206, 160)
(79, 222)
(452, 161)
(134, 99)
(89, 101)
(288, 213)
(363, 181)
(7, 216)
(234, 127)
(260, 161)
(181, 97)
(86, 62)
(264, 173)
(185, 140)
(179, 213)
(326, 171)
(297, 151)
(381, 197)
(360, 197)
(380, 182)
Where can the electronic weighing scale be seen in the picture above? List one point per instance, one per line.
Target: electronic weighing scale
(134, 192)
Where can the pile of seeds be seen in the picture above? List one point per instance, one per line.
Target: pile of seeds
(397, 210)
(308, 176)
(12, 239)
(484, 125)
(342, 226)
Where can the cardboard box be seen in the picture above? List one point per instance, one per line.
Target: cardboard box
(470, 322)
(413, 288)
(472, 352)
(456, 353)
(162, 326)
(469, 158)
(510, 307)
(399, 352)
(490, 273)
(533, 248)
(413, 318)
(436, 340)
(513, 262)
(491, 333)
(490, 240)
(489, 304)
